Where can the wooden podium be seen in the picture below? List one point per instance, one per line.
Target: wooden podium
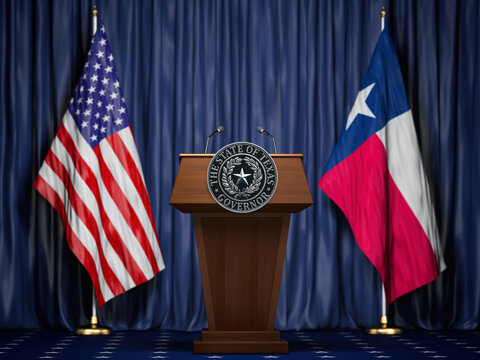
(241, 255)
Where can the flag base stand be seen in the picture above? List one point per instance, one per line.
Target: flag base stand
(384, 329)
(94, 328)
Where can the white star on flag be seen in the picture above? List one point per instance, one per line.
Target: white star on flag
(360, 106)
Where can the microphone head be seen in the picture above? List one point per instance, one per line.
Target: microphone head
(260, 129)
(220, 128)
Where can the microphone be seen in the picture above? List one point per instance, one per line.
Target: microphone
(217, 131)
(261, 130)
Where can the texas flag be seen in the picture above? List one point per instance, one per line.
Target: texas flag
(375, 175)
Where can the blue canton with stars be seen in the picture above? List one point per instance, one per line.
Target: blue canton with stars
(97, 105)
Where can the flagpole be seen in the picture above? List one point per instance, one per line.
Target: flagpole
(94, 328)
(95, 13)
(383, 13)
(383, 328)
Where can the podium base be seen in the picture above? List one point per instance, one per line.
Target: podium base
(240, 342)
(94, 328)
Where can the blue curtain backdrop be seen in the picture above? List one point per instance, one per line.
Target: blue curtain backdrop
(187, 67)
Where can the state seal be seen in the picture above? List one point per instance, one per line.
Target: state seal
(242, 177)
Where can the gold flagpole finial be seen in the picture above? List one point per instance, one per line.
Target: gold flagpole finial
(383, 12)
(95, 11)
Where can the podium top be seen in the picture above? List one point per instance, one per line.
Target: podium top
(181, 156)
(190, 192)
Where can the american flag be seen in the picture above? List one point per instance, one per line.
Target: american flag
(92, 176)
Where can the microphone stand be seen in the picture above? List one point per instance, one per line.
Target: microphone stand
(274, 145)
(261, 130)
(218, 131)
(206, 146)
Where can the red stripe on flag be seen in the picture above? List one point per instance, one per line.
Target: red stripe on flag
(384, 226)
(87, 218)
(130, 167)
(126, 209)
(111, 232)
(73, 241)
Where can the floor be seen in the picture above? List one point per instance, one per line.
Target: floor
(334, 344)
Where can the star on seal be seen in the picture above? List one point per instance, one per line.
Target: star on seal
(242, 177)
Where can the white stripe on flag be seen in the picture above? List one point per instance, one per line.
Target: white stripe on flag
(130, 192)
(406, 168)
(129, 142)
(113, 213)
(127, 138)
(82, 146)
(88, 198)
(77, 225)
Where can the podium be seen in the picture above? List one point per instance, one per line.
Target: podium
(241, 256)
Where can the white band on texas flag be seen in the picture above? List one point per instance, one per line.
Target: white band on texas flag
(375, 175)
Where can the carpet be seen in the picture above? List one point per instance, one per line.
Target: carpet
(333, 344)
